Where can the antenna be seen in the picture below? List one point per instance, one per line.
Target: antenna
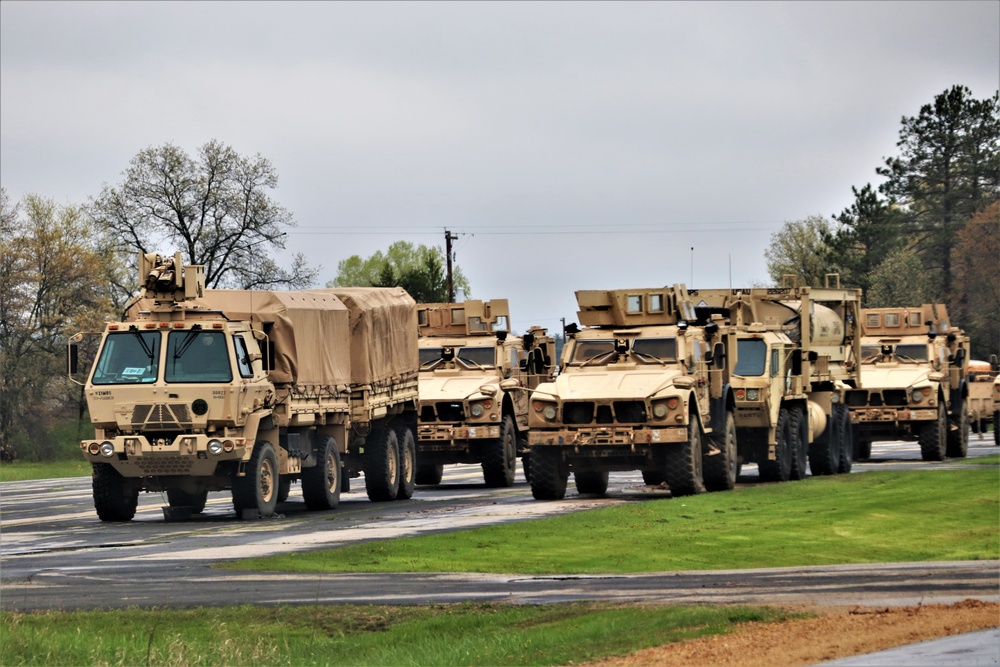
(691, 283)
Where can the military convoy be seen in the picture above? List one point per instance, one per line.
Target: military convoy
(207, 390)
(200, 390)
(797, 352)
(914, 381)
(475, 378)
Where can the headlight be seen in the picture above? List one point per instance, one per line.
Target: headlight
(916, 396)
(476, 410)
(214, 447)
(753, 394)
(659, 410)
(549, 412)
(107, 449)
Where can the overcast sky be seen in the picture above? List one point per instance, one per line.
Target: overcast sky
(581, 145)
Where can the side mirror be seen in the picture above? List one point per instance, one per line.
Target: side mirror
(73, 358)
(959, 357)
(719, 360)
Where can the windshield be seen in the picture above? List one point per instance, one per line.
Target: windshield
(870, 352)
(197, 356)
(751, 358)
(915, 352)
(429, 355)
(655, 349)
(128, 357)
(476, 356)
(592, 350)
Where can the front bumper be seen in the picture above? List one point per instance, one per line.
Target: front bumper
(627, 437)
(891, 415)
(440, 437)
(187, 454)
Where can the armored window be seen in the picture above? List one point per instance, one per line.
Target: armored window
(472, 357)
(661, 349)
(751, 357)
(656, 303)
(874, 320)
(917, 351)
(422, 317)
(892, 319)
(477, 324)
(197, 356)
(458, 315)
(586, 350)
(429, 355)
(515, 359)
(916, 319)
(243, 362)
(634, 304)
(501, 323)
(127, 358)
(775, 365)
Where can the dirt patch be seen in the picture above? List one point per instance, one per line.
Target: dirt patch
(837, 632)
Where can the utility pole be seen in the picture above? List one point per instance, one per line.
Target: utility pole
(448, 238)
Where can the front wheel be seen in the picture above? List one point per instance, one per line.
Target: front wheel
(780, 469)
(115, 497)
(258, 487)
(429, 473)
(721, 467)
(958, 440)
(800, 444)
(933, 437)
(592, 482)
(681, 464)
(500, 456)
(321, 483)
(548, 474)
(847, 439)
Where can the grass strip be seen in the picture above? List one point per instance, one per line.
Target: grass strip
(467, 634)
(20, 471)
(884, 516)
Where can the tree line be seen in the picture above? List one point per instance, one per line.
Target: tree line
(928, 233)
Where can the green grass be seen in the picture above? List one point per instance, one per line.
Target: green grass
(481, 634)
(989, 459)
(20, 471)
(873, 517)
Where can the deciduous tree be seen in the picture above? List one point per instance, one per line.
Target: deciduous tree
(417, 269)
(798, 250)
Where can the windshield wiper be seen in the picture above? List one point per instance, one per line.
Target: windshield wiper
(597, 357)
(649, 358)
(186, 343)
(145, 345)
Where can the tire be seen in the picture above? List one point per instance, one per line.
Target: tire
(958, 440)
(592, 482)
(322, 482)
(651, 477)
(824, 453)
(862, 443)
(846, 439)
(259, 487)
(500, 456)
(429, 473)
(721, 469)
(526, 467)
(115, 497)
(996, 428)
(407, 462)
(181, 498)
(682, 465)
(780, 469)
(933, 437)
(799, 445)
(381, 465)
(284, 489)
(548, 474)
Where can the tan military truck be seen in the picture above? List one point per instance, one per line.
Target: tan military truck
(797, 352)
(207, 390)
(475, 379)
(982, 379)
(642, 386)
(914, 382)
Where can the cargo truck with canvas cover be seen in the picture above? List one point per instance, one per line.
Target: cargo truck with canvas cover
(475, 379)
(914, 381)
(982, 380)
(797, 352)
(206, 390)
(642, 386)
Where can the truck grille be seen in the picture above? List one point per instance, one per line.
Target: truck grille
(161, 417)
(163, 465)
(876, 398)
(443, 411)
(619, 412)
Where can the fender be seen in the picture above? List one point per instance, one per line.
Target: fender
(719, 407)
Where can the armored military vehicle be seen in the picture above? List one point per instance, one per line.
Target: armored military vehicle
(797, 352)
(475, 379)
(914, 381)
(642, 386)
(982, 382)
(207, 390)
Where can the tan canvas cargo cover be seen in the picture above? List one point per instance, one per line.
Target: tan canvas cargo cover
(306, 326)
(383, 333)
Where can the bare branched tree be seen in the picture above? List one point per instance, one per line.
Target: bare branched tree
(214, 208)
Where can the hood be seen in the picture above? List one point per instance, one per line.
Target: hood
(435, 388)
(893, 377)
(604, 385)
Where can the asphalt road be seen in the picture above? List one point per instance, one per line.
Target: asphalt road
(56, 554)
